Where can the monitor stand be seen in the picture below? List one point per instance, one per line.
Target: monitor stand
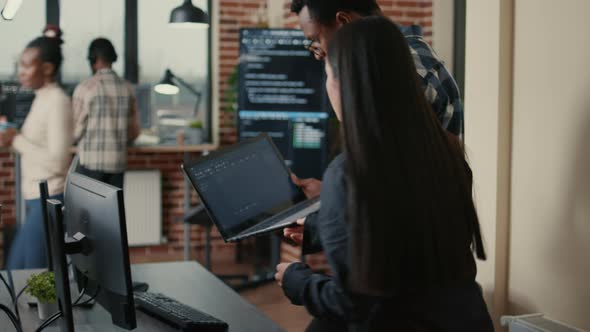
(59, 249)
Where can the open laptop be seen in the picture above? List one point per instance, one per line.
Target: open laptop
(247, 189)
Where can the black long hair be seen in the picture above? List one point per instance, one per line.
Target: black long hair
(49, 46)
(411, 214)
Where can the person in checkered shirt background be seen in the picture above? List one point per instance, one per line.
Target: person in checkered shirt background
(106, 120)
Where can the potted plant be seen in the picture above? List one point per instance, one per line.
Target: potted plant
(42, 287)
(194, 132)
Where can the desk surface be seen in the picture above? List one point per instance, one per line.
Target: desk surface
(164, 148)
(187, 282)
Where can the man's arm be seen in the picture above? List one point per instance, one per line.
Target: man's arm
(80, 110)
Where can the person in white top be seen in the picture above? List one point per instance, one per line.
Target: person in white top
(43, 143)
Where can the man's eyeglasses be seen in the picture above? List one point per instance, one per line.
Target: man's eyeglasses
(313, 47)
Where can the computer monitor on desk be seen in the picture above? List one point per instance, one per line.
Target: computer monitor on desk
(96, 241)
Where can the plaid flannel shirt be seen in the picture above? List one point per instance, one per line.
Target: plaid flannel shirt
(103, 106)
(439, 85)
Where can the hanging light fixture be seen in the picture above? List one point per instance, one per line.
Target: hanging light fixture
(10, 9)
(189, 15)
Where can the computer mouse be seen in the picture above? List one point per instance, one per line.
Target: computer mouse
(139, 286)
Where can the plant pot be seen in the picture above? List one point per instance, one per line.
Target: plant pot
(193, 136)
(46, 309)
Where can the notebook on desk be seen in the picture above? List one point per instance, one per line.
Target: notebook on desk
(247, 189)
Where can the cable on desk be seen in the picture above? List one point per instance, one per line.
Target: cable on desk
(48, 321)
(12, 317)
(90, 299)
(58, 314)
(8, 288)
(20, 293)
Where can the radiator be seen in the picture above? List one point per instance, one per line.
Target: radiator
(142, 190)
(536, 323)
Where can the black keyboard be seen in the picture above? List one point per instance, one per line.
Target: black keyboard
(177, 314)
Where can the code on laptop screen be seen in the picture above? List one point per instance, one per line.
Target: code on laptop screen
(245, 185)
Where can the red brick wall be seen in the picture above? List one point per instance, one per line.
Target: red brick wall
(7, 200)
(235, 14)
(410, 12)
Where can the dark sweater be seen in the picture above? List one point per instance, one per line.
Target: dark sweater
(457, 308)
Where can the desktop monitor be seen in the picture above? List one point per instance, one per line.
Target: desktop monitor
(96, 241)
(281, 92)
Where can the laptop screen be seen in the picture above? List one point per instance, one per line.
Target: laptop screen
(244, 184)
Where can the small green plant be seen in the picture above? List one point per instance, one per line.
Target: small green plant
(42, 286)
(195, 124)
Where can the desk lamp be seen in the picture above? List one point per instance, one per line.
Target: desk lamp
(167, 87)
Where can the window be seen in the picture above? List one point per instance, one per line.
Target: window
(182, 50)
(81, 22)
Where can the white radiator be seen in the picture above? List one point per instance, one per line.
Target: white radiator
(535, 323)
(143, 207)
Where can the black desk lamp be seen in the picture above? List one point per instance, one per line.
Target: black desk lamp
(189, 15)
(167, 87)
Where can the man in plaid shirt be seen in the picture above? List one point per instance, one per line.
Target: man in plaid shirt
(319, 19)
(105, 117)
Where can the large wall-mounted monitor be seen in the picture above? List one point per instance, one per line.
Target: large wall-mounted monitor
(281, 91)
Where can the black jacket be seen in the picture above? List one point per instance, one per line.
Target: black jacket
(459, 308)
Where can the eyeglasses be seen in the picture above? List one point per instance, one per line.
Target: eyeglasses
(313, 47)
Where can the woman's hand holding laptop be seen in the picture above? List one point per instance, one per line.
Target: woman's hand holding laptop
(295, 233)
(311, 187)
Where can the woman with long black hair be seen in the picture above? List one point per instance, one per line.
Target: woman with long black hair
(397, 223)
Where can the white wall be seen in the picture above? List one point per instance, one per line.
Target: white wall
(528, 135)
(481, 120)
(442, 30)
(488, 76)
(550, 246)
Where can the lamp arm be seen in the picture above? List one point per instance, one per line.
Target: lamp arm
(191, 89)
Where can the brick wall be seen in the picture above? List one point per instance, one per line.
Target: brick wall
(6, 195)
(235, 14)
(408, 12)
